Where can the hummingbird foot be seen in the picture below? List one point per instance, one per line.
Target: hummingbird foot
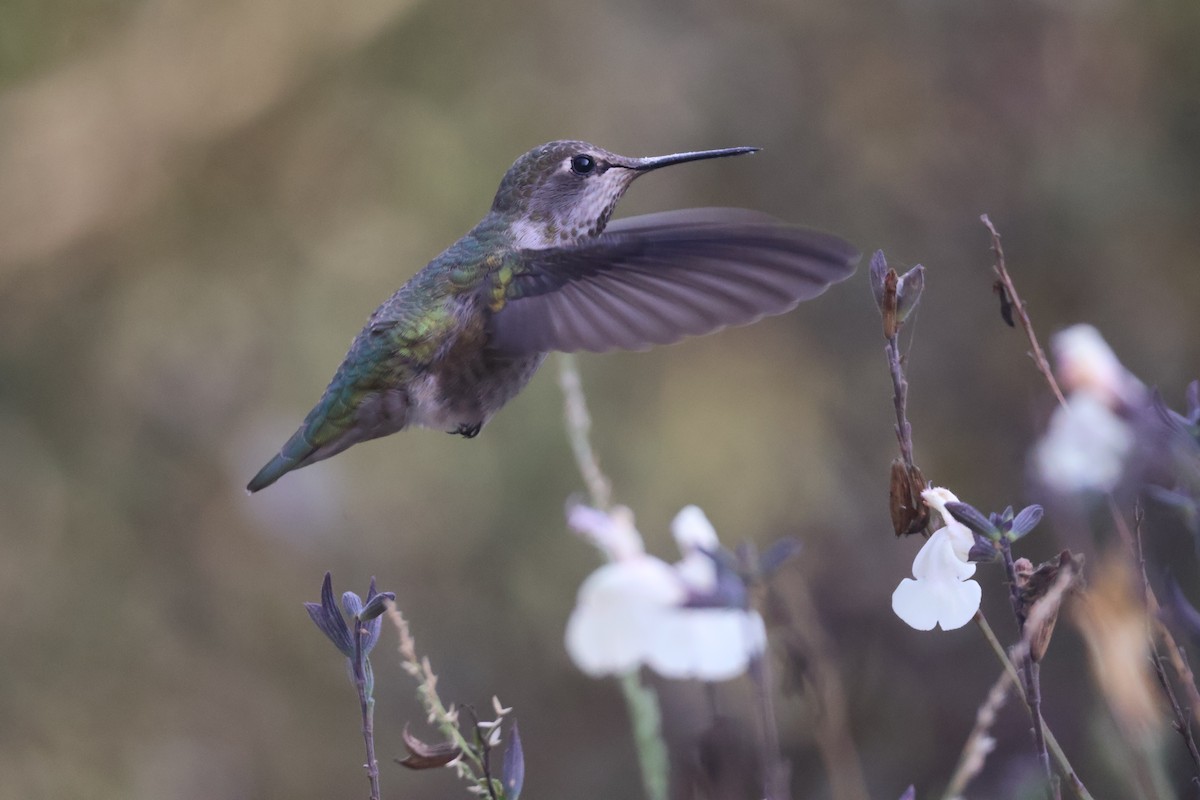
(468, 431)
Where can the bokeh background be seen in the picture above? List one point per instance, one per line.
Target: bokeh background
(200, 203)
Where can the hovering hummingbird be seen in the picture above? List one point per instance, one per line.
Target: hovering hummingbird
(543, 271)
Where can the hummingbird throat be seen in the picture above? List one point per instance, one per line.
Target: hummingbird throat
(561, 218)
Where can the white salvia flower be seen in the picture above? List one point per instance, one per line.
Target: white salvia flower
(707, 644)
(1085, 447)
(1085, 363)
(620, 610)
(941, 594)
(632, 611)
(1088, 441)
(613, 533)
(696, 538)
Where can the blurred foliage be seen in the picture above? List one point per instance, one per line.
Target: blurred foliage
(201, 202)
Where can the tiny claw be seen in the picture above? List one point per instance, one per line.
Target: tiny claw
(468, 431)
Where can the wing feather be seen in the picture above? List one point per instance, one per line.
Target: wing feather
(655, 279)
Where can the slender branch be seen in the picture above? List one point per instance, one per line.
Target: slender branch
(1181, 723)
(1060, 757)
(1029, 671)
(1183, 670)
(579, 426)
(1038, 355)
(445, 719)
(366, 703)
(646, 720)
(640, 700)
(812, 651)
(775, 777)
(979, 742)
(900, 400)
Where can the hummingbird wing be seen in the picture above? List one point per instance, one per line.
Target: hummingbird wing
(657, 278)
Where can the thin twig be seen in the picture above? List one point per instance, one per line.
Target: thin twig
(775, 775)
(813, 653)
(1182, 724)
(900, 400)
(1187, 678)
(1029, 672)
(579, 426)
(445, 719)
(979, 742)
(1038, 355)
(367, 704)
(1060, 757)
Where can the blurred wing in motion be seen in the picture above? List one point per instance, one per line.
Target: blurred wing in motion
(655, 279)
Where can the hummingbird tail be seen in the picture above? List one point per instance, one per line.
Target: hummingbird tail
(296, 453)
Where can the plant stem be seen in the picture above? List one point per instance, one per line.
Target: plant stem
(900, 400)
(1181, 723)
(641, 701)
(1038, 355)
(775, 772)
(366, 703)
(1060, 756)
(646, 720)
(579, 426)
(1029, 669)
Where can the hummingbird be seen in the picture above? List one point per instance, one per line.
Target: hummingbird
(546, 271)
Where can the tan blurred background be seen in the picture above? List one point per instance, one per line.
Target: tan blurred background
(200, 202)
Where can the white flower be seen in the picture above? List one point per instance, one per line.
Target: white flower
(1085, 363)
(1085, 446)
(941, 594)
(1089, 440)
(633, 611)
(696, 538)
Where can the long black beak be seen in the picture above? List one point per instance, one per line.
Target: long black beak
(654, 162)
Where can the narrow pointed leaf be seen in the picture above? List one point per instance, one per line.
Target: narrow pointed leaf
(426, 756)
(779, 554)
(376, 606)
(514, 766)
(1026, 521)
(908, 292)
(973, 518)
(329, 619)
(878, 270)
(352, 603)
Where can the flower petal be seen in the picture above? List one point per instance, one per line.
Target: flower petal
(612, 532)
(913, 603)
(1084, 448)
(693, 531)
(618, 614)
(958, 603)
(939, 557)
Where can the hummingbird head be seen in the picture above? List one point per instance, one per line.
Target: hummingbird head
(565, 191)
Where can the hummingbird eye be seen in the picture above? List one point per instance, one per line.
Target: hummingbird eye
(582, 164)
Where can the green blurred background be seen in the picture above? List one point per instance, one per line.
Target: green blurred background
(200, 203)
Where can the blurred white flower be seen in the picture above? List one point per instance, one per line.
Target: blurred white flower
(1085, 447)
(696, 538)
(1090, 439)
(1085, 363)
(941, 594)
(634, 611)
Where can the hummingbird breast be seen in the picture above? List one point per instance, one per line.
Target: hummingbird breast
(469, 381)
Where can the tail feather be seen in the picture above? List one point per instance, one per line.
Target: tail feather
(298, 452)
